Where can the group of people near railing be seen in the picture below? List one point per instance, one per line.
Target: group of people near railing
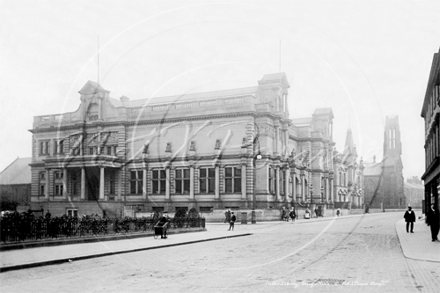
(26, 226)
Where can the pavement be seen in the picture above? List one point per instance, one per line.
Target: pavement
(417, 245)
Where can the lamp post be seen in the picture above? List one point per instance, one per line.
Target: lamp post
(256, 156)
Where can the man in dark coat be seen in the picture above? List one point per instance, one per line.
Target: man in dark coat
(433, 221)
(232, 221)
(410, 218)
(163, 222)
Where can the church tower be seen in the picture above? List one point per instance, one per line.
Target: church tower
(392, 146)
(392, 174)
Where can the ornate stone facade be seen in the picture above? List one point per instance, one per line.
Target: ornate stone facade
(226, 149)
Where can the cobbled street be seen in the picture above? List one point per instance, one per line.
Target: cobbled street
(353, 254)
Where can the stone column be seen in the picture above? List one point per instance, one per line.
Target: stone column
(83, 183)
(101, 183)
(64, 182)
(46, 191)
(327, 183)
(303, 188)
(144, 182)
(294, 187)
(243, 181)
(119, 184)
(286, 188)
(191, 182)
(167, 184)
(217, 182)
(278, 195)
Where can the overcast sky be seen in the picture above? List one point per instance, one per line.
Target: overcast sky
(365, 59)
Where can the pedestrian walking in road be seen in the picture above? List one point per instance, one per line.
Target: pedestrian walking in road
(232, 222)
(410, 218)
(316, 212)
(433, 221)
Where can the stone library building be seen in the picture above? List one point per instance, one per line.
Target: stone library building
(233, 149)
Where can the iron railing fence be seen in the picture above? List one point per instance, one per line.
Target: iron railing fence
(22, 227)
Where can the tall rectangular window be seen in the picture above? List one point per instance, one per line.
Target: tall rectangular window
(182, 180)
(136, 182)
(58, 183)
(232, 179)
(207, 180)
(59, 147)
(42, 183)
(44, 147)
(159, 181)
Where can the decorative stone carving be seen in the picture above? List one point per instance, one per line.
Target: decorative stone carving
(192, 146)
(217, 144)
(168, 147)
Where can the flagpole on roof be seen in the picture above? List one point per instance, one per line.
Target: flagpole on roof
(98, 62)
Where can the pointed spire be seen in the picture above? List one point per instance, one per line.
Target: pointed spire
(349, 143)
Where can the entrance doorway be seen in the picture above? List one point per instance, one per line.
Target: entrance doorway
(93, 183)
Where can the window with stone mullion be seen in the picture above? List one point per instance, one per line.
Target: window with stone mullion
(136, 182)
(232, 179)
(159, 181)
(182, 179)
(207, 180)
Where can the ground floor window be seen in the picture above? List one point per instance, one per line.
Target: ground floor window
(72, 212)
(159, 181)
(232, 179)
(136, 182)
(58, 189)
(182, 181)
(42, 183)
(207, 180)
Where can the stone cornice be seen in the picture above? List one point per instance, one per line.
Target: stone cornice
(154, 121)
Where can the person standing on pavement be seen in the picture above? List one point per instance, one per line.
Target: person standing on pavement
(163, 222)
(338, 212)
(292, 214)
(433, 221)
(232, 221)
(410, 218)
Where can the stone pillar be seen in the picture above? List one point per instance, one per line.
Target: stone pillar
(46, 191)
(327, 183)
(101, 183)
(167, 184)
(144, 183)
(119, 184)
(278, 194)
(83, 183)
(286, 188)
(217, 182)
(191, 182)
(294, 187)
(303, 187)
(64, 183)
(243, 181)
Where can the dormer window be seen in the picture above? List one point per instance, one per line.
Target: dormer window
(93, 113)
